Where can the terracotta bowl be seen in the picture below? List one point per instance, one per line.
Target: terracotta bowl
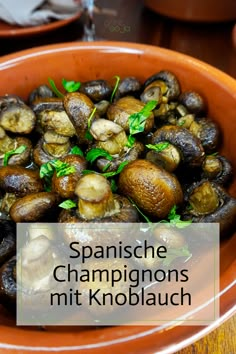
(195, 10)
(20, 73)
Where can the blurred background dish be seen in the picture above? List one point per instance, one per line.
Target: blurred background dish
(195, 10)
(8, 31)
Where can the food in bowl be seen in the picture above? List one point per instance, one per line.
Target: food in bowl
(20, 73)
(105, 151)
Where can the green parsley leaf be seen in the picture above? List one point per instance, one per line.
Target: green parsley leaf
(68, 204)
(16, 151)
(105, 168)
(115, 87)
(117, 172)
(93, 154)
(88, 135)
(71, 86)
(76, 151)
(182, 122)
(174, 218)
(108, 174)
(158, 147)
(137, 120)
(91, 117)
(61, 168)
(114, 186)
(54, 88)
(173, 253)
(131, 141)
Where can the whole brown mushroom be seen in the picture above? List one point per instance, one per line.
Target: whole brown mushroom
(152, 188)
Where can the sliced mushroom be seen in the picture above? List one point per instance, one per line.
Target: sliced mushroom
(152, 188)
(120, 111)
(20, 180)
(188, 145)
(172, 83)
(65, 185)
(79, 107)
(96, 90)
(16, 116)
(34, 207)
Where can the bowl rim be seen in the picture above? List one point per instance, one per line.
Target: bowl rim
(229, 84)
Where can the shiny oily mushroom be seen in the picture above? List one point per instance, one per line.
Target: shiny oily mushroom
(152, 188)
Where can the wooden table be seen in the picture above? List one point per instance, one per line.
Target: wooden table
(211, 43)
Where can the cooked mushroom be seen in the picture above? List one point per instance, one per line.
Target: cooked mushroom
(152, 188)
(37, 260)
(189, 146)
(97, 203)
(169, 237)
(16, 116)
(193, 101)
(7, 240)
(79, 107)
(109, 136)
(209, 134)
(169, 158)
(20, 180)
(217, 168)
(34, 207)
(102, 107)
(128, 86)
(52, 116)
(152, 92)
(44, 152)
(210, 203)
(172, 85)
(103, 129)
(42, 91)
(128, 155)
(8, 284)
(96, 90)
(7, 201)
(65, 185)
(120, 111)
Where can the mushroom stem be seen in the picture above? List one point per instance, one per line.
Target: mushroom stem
(95, 197)
(6, 143)
(37, 262)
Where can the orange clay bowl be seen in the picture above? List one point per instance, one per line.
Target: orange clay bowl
(195, 10)
(23, 71)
